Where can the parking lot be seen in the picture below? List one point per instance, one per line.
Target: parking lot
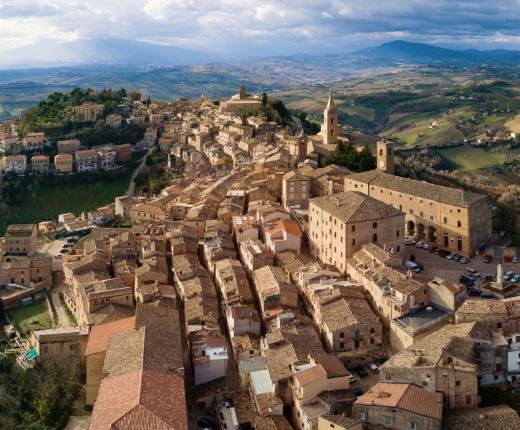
(450, 270)
(54, 248)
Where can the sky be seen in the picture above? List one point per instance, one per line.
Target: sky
(50, 29)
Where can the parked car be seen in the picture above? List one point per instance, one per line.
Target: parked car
(508, 275)
(474, 292)
(488, 295)
(426, 246)
(515, 279)
(466, 280)
(432, 249)
(473, 272)
(373, 368)
(450, 256)
(361, 372)
(464, 260)
(488, 259)
(351, 377)
(514, 260)
(419, 244)
(443, 253)
(457, 257)
(409, 241)
(507, 259)
(358, 392)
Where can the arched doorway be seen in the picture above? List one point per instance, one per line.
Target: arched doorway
(432, 234)
(420, 231)
(410, 228)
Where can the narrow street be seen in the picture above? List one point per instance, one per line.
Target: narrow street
(62, 319)
(131, 186)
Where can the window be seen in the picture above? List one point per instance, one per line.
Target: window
(341, 345)
(459, 224)
(342, 335)
(353, 228)
(362, 416)
(372, 330)
(457, 383)
(353, 241)
(389, 421)
(468, 399)
(374, 225)
(445, 220)
(397, 233)
(374, 237)
(413, 425)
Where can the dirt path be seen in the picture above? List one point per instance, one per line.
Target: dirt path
(131, 187)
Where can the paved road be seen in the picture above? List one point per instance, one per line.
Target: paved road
(131, 187)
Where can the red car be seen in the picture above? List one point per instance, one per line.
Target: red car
(432, 248)
(507, 259)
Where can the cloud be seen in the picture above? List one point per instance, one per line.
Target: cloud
(260, 27)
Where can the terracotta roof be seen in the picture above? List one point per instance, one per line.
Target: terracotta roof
(310, 375)
(141, 400)
(408, 397)
(101, 334)
(286, 225)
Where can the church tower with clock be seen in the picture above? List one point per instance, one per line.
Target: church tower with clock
(385, 156)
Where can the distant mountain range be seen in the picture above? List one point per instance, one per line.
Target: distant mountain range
(137, 53)
(402, 52)
(101, 52)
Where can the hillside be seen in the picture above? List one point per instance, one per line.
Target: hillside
(421, 106)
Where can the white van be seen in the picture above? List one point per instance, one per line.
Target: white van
(412, 266)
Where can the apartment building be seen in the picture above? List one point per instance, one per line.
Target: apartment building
(63, 163)
(16, 164)
(69, 146)
(86, 161)
(40, 164)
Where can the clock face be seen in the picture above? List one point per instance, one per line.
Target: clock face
(381, 164)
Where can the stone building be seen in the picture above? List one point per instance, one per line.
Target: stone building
(454, 219)
(341, 223)
(401, 406)
(444, 362)
(295, 190)
(20, 239)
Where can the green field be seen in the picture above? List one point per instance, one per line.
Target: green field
(465, 158)
(21, 317)
(45, 201)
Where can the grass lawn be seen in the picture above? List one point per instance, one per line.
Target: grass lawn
(21, 317)
(466, 159)
(44, 202)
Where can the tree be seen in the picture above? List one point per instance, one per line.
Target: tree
(348, 156)
(134, 95)
(366, 160)
(264, 99)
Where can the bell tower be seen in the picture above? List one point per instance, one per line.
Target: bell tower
(385, 156)
(330, 128)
